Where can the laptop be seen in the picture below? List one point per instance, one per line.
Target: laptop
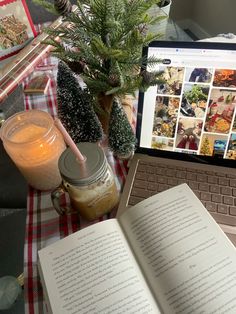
(186, 128)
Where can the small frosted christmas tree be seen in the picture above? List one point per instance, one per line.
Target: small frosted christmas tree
(121, 138)
(205, 149)
(75, 107)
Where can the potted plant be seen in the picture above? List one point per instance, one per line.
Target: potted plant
(161, 9)
(102, 42)
(165, 5)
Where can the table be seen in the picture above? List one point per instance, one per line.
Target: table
(44, 225)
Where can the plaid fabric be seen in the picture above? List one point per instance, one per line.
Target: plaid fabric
(44, 225)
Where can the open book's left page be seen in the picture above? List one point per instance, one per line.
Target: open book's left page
(94, 271)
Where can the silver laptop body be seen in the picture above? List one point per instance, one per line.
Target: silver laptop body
(186, 129)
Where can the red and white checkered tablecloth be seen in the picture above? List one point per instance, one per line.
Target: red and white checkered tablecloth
(44, 225)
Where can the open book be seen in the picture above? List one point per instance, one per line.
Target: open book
(164, 255)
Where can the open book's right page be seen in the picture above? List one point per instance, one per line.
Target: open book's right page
(188, 261)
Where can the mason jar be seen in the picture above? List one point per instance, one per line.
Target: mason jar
(34, 144)
(90, 185)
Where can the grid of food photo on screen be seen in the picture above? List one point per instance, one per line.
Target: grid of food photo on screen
(194, 111)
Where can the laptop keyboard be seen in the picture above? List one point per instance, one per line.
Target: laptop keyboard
(216, 190)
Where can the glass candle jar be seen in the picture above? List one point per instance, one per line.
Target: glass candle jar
(91, 185)
(34, 144)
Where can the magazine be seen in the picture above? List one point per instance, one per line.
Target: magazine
(16, 27)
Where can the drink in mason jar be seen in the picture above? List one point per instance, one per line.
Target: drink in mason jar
(91, 185)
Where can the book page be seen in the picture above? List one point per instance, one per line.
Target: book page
(93, 271)
(187, 259)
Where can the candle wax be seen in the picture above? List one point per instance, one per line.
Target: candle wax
(28, 133)
(38, 156)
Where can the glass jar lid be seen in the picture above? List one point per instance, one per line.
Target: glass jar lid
(76, 173)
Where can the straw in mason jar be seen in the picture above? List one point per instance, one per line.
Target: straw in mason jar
(69, 141)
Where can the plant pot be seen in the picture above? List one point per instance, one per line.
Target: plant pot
(154, 11)
(105, 104)
(127, 103)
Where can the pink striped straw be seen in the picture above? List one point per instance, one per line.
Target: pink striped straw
(69, 141)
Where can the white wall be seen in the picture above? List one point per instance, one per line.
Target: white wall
(210, 16)
(215, 16)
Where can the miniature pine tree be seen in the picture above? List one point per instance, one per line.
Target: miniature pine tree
(75, 109)
(107, 37)
(205, 149)
(121, 138)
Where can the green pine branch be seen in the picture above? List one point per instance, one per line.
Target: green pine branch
(107, 36)
(47, 5)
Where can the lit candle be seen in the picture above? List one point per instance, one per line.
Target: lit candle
(35, 145)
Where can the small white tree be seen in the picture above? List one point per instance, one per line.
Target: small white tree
(75, 107)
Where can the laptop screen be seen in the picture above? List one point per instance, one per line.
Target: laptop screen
(192, 109)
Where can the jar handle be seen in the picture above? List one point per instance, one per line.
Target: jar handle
(55, 197)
